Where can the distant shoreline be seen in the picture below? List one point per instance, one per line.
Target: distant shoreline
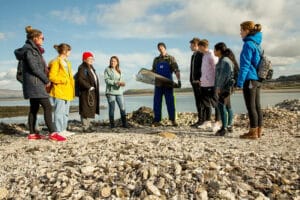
(236, 91)
(289, 90)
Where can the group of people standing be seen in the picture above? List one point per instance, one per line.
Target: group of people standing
(56, 79)
(212, 76)
(213, 81)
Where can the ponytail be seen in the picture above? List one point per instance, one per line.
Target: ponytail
(32, 33)
(251, 26)
(62, 48)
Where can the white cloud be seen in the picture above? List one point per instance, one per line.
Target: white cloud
(2, 36)
(72, 15)
(284, 61)
(286, 70)
(136, 19)
(8, 80)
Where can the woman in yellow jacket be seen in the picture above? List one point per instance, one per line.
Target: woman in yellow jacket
(62, 90)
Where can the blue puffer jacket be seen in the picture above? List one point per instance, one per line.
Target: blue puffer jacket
(34, 75)
(249, 59)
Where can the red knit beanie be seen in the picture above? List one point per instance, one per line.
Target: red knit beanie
(86, 55)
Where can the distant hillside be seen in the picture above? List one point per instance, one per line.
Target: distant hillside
(283, 82)
(288, 82)
(10, 94)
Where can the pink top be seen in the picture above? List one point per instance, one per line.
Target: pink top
(208, 68)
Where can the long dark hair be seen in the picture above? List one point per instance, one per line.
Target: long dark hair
(226, 52)
(118, 65)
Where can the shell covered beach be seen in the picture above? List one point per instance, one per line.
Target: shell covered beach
(164, 162)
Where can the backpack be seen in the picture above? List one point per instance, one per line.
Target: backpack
(19, 75)
(264, 67)
(20, 56)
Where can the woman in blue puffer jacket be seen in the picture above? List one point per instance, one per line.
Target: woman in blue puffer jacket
(248, 78)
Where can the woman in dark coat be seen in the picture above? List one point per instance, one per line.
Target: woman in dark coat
(88, 91)
(34, 81)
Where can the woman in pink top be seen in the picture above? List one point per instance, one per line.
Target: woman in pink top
(209, 100)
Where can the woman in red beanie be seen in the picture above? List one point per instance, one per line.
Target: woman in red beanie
(89, 91)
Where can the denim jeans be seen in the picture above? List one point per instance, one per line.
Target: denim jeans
(111, 105)
(61, 114)
(225, 110)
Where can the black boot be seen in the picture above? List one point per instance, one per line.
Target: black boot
(124, 121)
(112, 123)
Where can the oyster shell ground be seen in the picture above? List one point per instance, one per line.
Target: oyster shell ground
(163, 162)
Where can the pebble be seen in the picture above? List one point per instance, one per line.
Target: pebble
(164, 162)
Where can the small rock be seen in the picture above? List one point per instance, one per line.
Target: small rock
(67, 191)
(3, 193)
(152, 189)
(152, 197)
(227, 195)
(153, 171)
(120, 192)
(202, 193)
(167, 135)
(213, 166)
(88, 171)
(105, 192)
(178, 169)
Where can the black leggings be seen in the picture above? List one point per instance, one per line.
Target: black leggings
(197, 95)
(251, 91)
(34, 108)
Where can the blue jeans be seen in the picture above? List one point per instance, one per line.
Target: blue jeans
(61, 114)
(111, 105)
(225, 110)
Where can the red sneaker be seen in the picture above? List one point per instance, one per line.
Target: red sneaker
(56, 137)
(35, 136)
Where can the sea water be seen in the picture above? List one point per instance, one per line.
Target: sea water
(185, 102)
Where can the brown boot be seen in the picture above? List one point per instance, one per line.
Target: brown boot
(259, 132)
(252, 134)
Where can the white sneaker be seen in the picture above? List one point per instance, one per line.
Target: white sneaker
(206, 125)
(66, 133)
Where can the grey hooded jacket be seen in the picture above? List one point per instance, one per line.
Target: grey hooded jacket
(34, 75)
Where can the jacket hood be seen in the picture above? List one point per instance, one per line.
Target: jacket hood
(257, 38)
(20, 52)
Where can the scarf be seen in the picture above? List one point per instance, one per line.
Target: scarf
(41, 49)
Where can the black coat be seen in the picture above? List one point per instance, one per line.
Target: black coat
(34, 74)
(88, 100)
(195, 72)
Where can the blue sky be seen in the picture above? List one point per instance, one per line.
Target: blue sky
(131, 29)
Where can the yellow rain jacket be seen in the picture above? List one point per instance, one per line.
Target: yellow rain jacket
(62, 80)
